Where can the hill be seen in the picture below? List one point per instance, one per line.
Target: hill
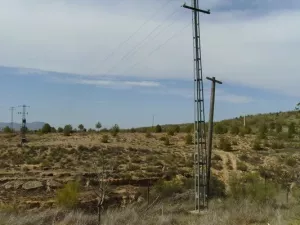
(263, 158)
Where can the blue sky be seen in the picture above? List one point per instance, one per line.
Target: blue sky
(77, 75)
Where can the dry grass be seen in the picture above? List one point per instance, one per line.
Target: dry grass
(223, 213)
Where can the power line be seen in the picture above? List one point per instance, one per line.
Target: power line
(157, 48)
(143, 40)
(134, 33)
(12, 118)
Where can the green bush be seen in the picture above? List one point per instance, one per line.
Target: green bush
(158, 129)
(291, 130)
(104, 138)
(224, 144)
(278, 127)
(162, 138)
(219, 128)
(177, 128)
(167, 141)
(169, 188)
(188, 139)
(148, 134)
(189, 128)
(68, 196)
(68, 130)
(115, 130)
(252, 187)
(277, 145)
(235, 130)
(171, 132)
(7, 129)
(241, 166)
(256, 145)
(291, 161)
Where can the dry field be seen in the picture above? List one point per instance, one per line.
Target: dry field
(30, 175)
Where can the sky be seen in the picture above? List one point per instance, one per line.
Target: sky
(125, 61)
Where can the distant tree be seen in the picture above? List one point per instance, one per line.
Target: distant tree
(177, 128)
(115, 130)
(46, 128)
(171, 131)
(272, 125)
(60, 130)
(98, 126)
(219, 128)
(262, 131)
(68, 129)
(189, 128)
(158, 129)
(80, 127)
(297, 106)
(53, 130)
(132, 130)
(7, 129)
(235, 130)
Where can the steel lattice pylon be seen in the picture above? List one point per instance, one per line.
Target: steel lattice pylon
(200, 154)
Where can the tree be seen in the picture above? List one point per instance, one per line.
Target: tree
(262, 131)
(46, 128)
(235, 130)
(7, 130)
(68, 129)
(115, 130)
(220, 128)
(158, 129)
(189, 128)
(103, 189)
(297, 106)
(98, 126)
(53, 130)
(80, 127)
(60, 130)
(177, 128)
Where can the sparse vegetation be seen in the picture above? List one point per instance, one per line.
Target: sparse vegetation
(68, 195)
(188, 139)
(135, 158)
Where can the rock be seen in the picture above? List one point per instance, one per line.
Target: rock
(53, 184)
(13, 184)
(30, 185)
(140, 199)
(32, 204)
(8, 185)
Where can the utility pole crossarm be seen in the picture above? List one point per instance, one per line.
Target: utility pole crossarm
(213, 79)
(196, 9)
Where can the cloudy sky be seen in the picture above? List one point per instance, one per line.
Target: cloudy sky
(121, 61)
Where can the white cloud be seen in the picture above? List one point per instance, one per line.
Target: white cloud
(75, 36)
(113, 83)
(221, 95)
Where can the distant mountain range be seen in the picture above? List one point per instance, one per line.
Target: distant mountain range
(30, 126)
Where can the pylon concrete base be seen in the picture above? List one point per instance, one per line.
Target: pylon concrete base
(197, 212)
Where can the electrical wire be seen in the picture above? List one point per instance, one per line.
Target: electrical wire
(158, 47)
(133, 50)
(134, 33)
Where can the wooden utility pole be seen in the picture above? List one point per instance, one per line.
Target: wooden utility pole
(210, 128)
